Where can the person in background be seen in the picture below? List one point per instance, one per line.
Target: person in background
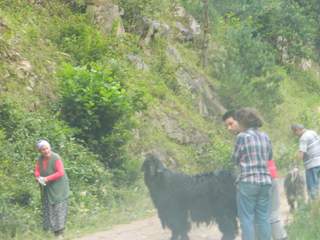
(54, 186)
(277, 226)
(251, 154)
(309, 153)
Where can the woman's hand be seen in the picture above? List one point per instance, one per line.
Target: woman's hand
(42, 180)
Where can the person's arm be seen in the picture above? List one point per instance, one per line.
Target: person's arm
(303, 146)
(237, 149)
(37, 170)
(272, 169)
(270, 150)
(300, 155)
(59, 172)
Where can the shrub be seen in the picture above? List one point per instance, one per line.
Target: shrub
(80, 40)
(305, 225)
(308, 80)
(92, 100)
(20, 198)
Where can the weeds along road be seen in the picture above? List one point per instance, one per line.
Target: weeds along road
(150, 229)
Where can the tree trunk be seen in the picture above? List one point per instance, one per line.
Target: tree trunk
(205, 40)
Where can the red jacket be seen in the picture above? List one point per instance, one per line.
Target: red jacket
(272, 169)
(59, 170)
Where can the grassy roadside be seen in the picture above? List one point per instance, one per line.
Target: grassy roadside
(135, 204)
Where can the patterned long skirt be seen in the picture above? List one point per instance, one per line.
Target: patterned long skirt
(54, 215)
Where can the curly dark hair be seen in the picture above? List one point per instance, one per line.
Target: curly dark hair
(248, 118)
(228, 114)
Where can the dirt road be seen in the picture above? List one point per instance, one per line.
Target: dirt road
(150, 229)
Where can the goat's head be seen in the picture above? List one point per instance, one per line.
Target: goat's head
(152, 165)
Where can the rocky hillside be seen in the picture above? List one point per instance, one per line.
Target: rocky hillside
(107, 81)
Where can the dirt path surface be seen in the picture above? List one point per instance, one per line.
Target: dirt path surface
(150, 229)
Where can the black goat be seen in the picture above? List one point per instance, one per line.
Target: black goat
(294, 186)
(180, 199)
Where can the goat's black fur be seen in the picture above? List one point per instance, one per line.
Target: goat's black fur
(180, 199)
(294, 186)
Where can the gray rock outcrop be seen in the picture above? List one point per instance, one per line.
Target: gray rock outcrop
(106, 15)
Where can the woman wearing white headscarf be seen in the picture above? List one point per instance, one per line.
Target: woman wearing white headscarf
(54, 185)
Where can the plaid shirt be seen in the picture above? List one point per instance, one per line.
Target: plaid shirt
(252, 151)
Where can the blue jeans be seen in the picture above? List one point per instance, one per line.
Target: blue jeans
(312, 179)
(254, 206)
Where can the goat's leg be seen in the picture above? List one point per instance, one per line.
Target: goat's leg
(227, 236)
(228, 227)
(291, 205)
(180, 225)
(185, 237)
(174, 235)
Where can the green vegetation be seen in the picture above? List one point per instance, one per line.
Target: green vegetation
(306, 223)
(103, 100)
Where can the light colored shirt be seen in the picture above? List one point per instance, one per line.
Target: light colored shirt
(309, 144)
(252, 152)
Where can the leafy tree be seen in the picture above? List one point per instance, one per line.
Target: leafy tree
(285, 25)
(247, 69)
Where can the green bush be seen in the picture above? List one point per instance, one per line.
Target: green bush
(9, 116)
(215, 155)
(307, 80)
(305, 225)
(20, 198)
(80, 40)
(92, 100)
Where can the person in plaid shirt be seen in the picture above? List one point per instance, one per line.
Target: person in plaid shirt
(277, 226)
(251, 153)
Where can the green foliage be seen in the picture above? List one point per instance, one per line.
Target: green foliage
(20, 199)
(136, 10)
(305, 225)
(195, 8)
(163, 67)
(285, 25)
(307, 80)
(99, 102)
(247, 70)
(9, 117)
(93, 100)
(80, 40)
(215, 155)
(310, 119)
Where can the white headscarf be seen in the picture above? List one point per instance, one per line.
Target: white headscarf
(41, 143)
